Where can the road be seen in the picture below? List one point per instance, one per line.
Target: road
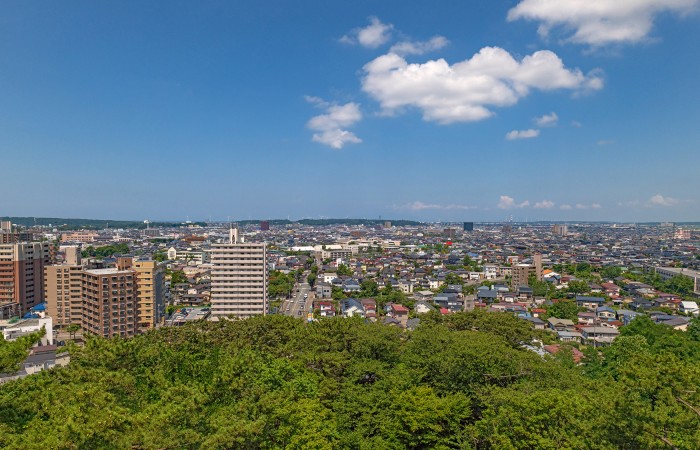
(298, 304)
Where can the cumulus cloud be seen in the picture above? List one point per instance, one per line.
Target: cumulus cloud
(586, 206)
(547, 120)
(465, 91)
(576, 124)
(544, 204)
(660, 200)
(565, 207)
(522, 134)
(372, 36)
(420, 206)
(329, 128)
(419, 47)
(598, 22)
(506, 202)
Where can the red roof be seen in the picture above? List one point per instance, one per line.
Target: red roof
(444, 311)
(399, 308)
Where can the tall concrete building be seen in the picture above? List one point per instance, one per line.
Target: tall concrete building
(22, 273)
(238, 278)
(560, 229)
(521, 272)
(468, 226)
(63, 294)
(109, 302)
(150, 285)
(10, 236)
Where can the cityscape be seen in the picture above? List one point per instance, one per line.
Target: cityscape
(350, 225)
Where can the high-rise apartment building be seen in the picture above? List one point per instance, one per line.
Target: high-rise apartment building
(63, 294)
(150, 295)
(468, 226)
(521, 272)
(238, 278)
(22, 273)
(109, 302)
(265, 225)
(560, 229)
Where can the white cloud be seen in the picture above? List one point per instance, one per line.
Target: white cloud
(604, 142)
(419, 47)
(660, 200)
(576, 123)
(565, 207)
(522, 134)
(420, 206)
(464, 91)
(585, 206)
(506, 202)
(544, 204)
(371, 36)
(547, 120)
(329, 127)
(596, 206)
(598, 22)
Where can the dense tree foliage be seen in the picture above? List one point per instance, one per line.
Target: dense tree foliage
(176, 277)
(564, 309)
(12, 353)
(280, 284)
(462, 381)
(343, 270)
(105, 251)
(680, 285)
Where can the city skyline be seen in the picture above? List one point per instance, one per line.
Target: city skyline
(447, 112)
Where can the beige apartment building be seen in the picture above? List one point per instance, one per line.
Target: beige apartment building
(21, 273)
(79, 236)
(109, 302)
(63, 294)
(521, 272)
(150, 284)
(238, 279)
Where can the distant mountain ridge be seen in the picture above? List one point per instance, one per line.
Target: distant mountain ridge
(99, 224)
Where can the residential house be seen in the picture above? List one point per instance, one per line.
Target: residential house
(689, 308)
(605, 313)
(351, 307)
(599, 335)
(590, 303)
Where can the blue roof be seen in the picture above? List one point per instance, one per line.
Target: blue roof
(39, 307)
(31, 316)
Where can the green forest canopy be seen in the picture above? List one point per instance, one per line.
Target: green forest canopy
(461, 381)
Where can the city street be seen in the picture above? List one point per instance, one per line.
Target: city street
(298, 305)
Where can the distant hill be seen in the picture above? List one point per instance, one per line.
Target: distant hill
(95, 224)
(99, 224)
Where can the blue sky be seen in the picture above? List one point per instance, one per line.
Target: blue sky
(440, 110)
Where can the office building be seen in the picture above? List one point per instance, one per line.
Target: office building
(468, 226)
(449, 233)
(238, 278)
(109, 302)
(8, 235)
(22, 273)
